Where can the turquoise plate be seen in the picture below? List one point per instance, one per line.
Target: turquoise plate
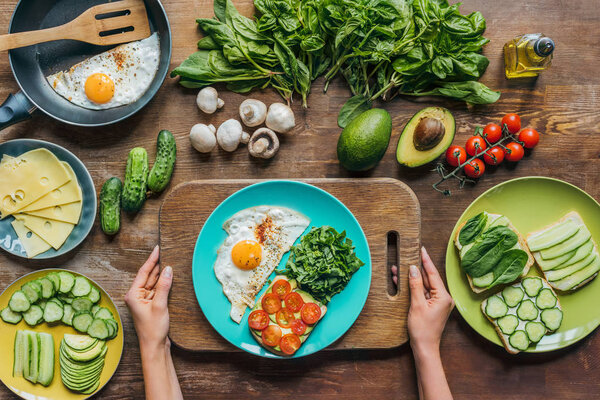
(322, 209)
(8, 238)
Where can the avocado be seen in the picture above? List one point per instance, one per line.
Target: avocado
(425, 137)
(364, 140)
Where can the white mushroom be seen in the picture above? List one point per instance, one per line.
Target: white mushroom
(203, 138)
(230, 134)
(280, 118)
(253, 112)
(208, 100)
(263, 143)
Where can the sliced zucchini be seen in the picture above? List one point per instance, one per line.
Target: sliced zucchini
(46, 359)
(535, 331)
(30, 290)
(53, 312)
(495, 307)
(552, 318)
(48, 289)
(532, 285)
(19, 302)
(67, 281)
(81, 287)
(19, 353)
(34, 315)
(527, 311)
(519, 340)
(98, 329)
(82, 321)
(9, 316)
(546, 299)
(103, 313)
(53, 276)
(94, 294)
(82, 304)
(484, 280)
(68, 314)
(575, 280)
(559, 274)
(508, 324)
(512, 295)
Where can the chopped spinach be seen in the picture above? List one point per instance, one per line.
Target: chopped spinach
(471, 230)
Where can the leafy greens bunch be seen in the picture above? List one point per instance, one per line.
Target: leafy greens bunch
(323, 262)
(381, 47)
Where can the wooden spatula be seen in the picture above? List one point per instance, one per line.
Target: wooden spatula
(105, 24)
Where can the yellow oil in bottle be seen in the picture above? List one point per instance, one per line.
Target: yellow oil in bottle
(527, 55)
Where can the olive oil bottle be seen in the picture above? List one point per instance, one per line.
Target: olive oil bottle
(527, 55)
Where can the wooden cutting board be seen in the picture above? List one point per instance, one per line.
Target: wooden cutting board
(388, 212)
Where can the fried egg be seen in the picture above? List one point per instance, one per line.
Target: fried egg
(256, 240)
(111, 79)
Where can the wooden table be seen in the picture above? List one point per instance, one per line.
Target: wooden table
(563, 104)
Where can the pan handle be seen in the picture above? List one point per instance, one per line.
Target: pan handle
(16, 108)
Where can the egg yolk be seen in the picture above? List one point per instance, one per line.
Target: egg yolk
(246, 254)
(99, 88)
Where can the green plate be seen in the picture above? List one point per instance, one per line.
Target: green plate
(531, 203)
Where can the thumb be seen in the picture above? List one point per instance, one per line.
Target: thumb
(163, 286)
(415, 282)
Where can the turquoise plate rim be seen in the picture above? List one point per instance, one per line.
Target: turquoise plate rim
(89, 199)
(540, 347)
(319, 339)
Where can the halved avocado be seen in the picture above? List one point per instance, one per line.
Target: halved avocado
(425, 137)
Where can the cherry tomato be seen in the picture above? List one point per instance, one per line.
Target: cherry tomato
(514, 151)
(290, 343)
(284, 317)
(298, 326)
(281, 288)
(492, 132)
(475, 145)
(529, 137)
(494, 156)
(271, 335)
(310, 313)
(271, 303)
(258, 319)
(512, 122)
(475, 168)
(294, 302)
(456, 155)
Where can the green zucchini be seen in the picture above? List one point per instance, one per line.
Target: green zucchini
(110, 206)
(19, 302)
(162, 170)
(136, 176)
(535, 331)
(495, 307)
(34, 315)
(512, 295)
(9, 316)
(552, 318)
(545, 299)
(527, 311)
(519, 340)
(508, 324)
(532, 285)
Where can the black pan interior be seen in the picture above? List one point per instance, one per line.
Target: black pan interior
(32, 64)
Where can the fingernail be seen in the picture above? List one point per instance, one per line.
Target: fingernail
(413, 271)
(423, 249)
(155, 248)
(168, 272)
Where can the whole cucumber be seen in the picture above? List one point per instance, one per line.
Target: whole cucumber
(136, 176)
(110, 206)
(166, 152)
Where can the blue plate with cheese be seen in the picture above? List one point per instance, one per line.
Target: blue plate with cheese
(47, 199)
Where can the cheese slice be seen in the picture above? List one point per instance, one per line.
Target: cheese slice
(63, 212)
(32, 243)
(53, 232)
(68, 193)
(26, 178)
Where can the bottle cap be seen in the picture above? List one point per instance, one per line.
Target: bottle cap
(543, 47)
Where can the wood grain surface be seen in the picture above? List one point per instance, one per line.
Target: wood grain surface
(563, 104)
(391, 210)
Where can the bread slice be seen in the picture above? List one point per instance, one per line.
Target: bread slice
(522, 246)
(505, 338)
(574, 216)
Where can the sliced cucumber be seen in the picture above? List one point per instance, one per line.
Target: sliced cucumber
(26, 353)
(10, 316)
(53, 312)
(19, 302)
(56, 301)
(98, 329)
(575, 280)
(582, 236)
(34, 358)
(68, 314)
(546, 299)
(30, 290)
(115, 327)
(484, 280)
(558, 262)
(552, 318)
(48, 289)
(95, 308)
(495, 307)
(512, 295)
(81, 287)
(527, 311)
(82, 304)
(19, 353)
(65, 299)
(103, 313)
(42, 304)
(94, 295)
(558, 274)
(53, 276)
(532, 286)
(508, 324)
(552, 236)
(579, 254)
(79, 342)
(67, 281)
(34, 315)
(82, 321)
(46, 359)
(535, 331)
(519, 340)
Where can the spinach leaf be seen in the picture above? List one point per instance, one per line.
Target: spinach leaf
(470, 91)
(483, 256)
(352, 109)
(509, 267)
(219, 8)
(472, 228)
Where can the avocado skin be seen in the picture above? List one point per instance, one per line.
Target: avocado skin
(408, 155)
(364, 140)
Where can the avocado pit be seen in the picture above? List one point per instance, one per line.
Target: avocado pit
(428, 133)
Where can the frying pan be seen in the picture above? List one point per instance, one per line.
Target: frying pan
(30, 65)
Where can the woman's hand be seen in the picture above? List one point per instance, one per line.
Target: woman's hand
(147, 300)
